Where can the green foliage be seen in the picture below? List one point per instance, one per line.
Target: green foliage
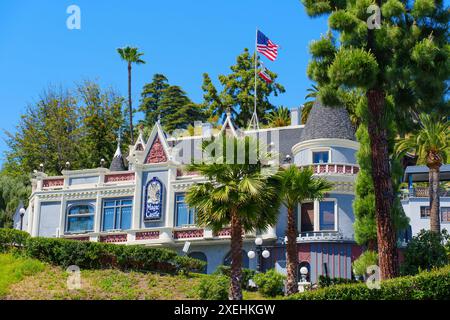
(12, 238)
(14, 190)
(95, 255)
(425, 251)
(78, 126)
(214, 288)
(392, 8)
(423, 8)
(278, 118)
(169, 103)
(427, 285)
(234, 186)
(366, 259)
(13, 269)
(247, 274)
(238, 90)
(326, 281)
(270, 284)
(348, 65)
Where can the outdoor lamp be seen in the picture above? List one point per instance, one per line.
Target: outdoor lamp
(266, 254)
(22, 213)
(102, 162)
(67, 165)
(304, 273)
(258, 241)
(251, 254)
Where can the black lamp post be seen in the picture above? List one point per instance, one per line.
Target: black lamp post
(22, 213)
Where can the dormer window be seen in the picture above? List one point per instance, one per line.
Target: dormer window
(321, 156)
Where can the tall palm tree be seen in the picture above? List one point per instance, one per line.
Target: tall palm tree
(238, 195)
(279, 117)
(431, 143)
(296, 186)
(130, 55)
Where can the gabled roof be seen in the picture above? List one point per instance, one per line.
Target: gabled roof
(140, 143)
(157, 150)
(328, 122)
(228, 124)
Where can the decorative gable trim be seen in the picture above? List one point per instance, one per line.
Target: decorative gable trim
(157, 153)
(157, 149)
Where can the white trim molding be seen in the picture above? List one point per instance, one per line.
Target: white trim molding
(325, 142)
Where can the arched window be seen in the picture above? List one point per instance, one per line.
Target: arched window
(200, 256)
(245, 261)
(80, 218)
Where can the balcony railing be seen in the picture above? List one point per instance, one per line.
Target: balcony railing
(422, 192)
(322, 236)
(333, 168)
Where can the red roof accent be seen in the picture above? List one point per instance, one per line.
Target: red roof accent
(157, 153)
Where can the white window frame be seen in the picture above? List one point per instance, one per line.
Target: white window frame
(317, 215)
(69, 207)
(312, 151)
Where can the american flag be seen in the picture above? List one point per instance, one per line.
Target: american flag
(266, 47)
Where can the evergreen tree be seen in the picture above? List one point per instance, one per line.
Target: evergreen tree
(151, 97)
(101, 119)
(403, 59)
(238, 90)
(177, 111)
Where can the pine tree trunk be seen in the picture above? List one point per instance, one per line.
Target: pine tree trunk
(130, 104)
(384, 195)
(292, 254)
(236, 257)
(435, 223)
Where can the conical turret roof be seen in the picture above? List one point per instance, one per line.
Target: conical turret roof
(328, 122)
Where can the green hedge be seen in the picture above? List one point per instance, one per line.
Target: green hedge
(96, 255)
(326, 281)
(426, 285)
(12, 238)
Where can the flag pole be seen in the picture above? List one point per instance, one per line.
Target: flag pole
(255, 116)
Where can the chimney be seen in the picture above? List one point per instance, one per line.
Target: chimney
(295, 116)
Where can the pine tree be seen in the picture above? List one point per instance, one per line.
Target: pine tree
(238, 89)
(151, 97)
(404, 58)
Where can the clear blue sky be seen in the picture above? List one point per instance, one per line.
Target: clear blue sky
(180, 38)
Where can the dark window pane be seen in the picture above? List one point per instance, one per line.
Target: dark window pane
(320, 157)
(126, 218)
(307, 217)
(78, 224)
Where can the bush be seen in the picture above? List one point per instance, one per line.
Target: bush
(326, 281)
(368, 258)
(12, 238)
(426, 285)
(247, 275)
(214, 287)
(425, 251)
(270, 284)
(95, 255)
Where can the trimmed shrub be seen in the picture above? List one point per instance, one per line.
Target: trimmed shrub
(214, 288)
(12, 238)
(326, 281)
(270, 284)
(366, 259)
(425, 251)
(426, 285)
(247, 275)
(95, 255)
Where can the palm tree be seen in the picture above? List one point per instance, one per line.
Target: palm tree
(431, 143)
(279, 117)
(297, 185)
(238, 195)
(130, 55)
(313, 92)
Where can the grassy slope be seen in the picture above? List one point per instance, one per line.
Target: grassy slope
(30, 279)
